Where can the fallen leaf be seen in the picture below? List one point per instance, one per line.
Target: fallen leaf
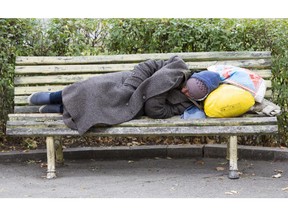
(228, 193)
(278, 171)
(172, 189)
(277, 175)
(200, 162)
(232, 192)
(220, 168)
(43, 165)
(31, 161)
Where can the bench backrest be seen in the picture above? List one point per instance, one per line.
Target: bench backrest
(33, 74)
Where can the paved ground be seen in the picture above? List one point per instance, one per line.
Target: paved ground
(145, 178)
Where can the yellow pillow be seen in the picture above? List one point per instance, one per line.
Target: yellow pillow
(228, 101)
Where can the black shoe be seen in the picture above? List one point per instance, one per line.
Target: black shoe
(39, 98)
(54, 108)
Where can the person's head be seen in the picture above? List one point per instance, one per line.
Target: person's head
(199, 85)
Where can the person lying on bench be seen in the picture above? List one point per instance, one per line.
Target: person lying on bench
(155, 88)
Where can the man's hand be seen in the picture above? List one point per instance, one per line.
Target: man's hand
(267, 108)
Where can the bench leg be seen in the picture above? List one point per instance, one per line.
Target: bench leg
(59, 150)
(51, 171)
(232, 150)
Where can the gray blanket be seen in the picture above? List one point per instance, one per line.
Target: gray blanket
(114, 98)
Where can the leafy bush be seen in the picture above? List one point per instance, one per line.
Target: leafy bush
(76, 36)
(280, 73)
(183, 35)
(12, 39)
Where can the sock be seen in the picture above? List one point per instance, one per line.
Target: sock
(39, 98)
(56, 97)
(51, 108)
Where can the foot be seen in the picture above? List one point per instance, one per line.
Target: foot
(55, 108)
(39, 98)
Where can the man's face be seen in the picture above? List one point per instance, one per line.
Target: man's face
(185, 91)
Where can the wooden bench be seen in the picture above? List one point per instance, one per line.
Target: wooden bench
(33, 74)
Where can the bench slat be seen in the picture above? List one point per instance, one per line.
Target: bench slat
(26, 109)
(54, 80)
(22, 100)
(63, 79)
(23, 60)
(35, 119)
(27, 90)
(148, 131)
(70, 69)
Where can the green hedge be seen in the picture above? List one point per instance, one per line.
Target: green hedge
(118, 36)
(12, 42)
(193, 35)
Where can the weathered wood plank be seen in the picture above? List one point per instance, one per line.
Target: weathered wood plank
(60, 69)
(24, 60)
(148, 131)
(250, 64)
(38, 124)
(35, 109)
(34, 117)
(61, 80)
(22, 100)
(71, 69)
(26, 109)
(56, 79)
(27, 90)
(38, 119)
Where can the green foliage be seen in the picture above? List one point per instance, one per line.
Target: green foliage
(182, 35)
(12, 37)
(72, 37)
(280, 74)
